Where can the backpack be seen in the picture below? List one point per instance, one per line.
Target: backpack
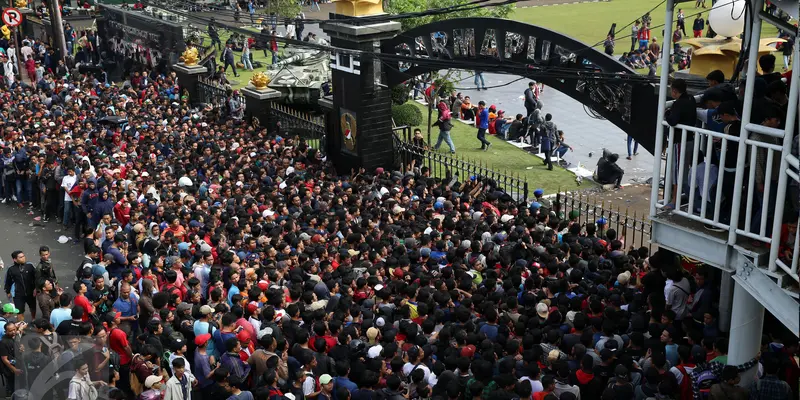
(705, 380)
(84, 269)
(52, 346)
(446, 115)
(137, 387)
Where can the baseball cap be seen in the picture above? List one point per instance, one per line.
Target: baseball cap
(621, 372)
(325, 379)
(202, 339)
(152, 380)
(468, 351)
(542, 310)
(111, 316)
(372, 333)
(206, 309)
(9, 308)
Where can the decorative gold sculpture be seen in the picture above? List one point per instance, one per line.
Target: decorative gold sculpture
(190, 57)
(722, 53)
(260, 80)
(21, 3)
(359, 8)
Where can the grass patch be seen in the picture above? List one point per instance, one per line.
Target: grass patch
(590, 22)
(503, 157)
(258, 55)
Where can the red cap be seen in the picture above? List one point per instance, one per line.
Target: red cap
(243, 336)
(398, 272)
(263, 285)
(252, 307)
(202, 339)
(468, 351)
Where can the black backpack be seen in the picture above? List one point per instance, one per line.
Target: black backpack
(85, 269)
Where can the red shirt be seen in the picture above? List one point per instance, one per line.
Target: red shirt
(118, 341)
(82, 301)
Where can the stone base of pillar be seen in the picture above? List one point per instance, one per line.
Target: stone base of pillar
(257, 104)
(188, 76)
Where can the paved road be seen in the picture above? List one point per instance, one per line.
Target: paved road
(583, 132)
(20, 232)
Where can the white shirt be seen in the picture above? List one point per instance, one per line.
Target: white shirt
(8, 68)
(26, 51)
(429, 376)
(67, 183)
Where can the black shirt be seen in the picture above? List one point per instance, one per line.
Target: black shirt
(7, 349)
(69, 328)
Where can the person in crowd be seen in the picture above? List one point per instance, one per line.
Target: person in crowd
(235, 261)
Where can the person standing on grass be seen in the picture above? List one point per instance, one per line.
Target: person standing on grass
(445, 125)
(483, 125)
(548, 140)
(698, 25)
(635, 35)
(248, 65)
(227, 58)
(682, 21)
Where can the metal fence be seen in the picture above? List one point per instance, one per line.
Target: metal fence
(634, 228)
(446, 166)
(293, 122)
(211, 93)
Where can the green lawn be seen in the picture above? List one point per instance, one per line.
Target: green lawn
(503, 157)
(258, 55)
(590, 22)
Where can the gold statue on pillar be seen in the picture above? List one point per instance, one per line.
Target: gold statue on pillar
(359, 8)
(190, 57)
(21, 3)
(260, 80)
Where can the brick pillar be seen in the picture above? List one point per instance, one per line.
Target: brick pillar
(361, 118)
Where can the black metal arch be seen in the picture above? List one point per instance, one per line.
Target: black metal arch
(517, 48)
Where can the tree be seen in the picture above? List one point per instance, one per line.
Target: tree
(284, 8)
(411, 6)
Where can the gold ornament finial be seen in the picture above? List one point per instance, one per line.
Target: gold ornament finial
(189, 57)
(260, 80)
(21, 3)
(359, 8)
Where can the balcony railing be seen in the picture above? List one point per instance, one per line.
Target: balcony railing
(713, 199)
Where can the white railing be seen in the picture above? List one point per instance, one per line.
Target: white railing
(713, 203)
(778, 253)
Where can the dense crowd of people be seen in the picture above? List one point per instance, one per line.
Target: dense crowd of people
(229, 261)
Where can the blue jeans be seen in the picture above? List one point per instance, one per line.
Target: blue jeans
(274, 57)
(635, 147)
(70, 47)
(482, 138)
(315, 4)
(246, 61)
(24, 184)
(444, 136)
(479, 76)
(561, 150)
(68, 206)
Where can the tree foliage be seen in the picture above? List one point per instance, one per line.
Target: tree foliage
(411, 6)
(284, 8)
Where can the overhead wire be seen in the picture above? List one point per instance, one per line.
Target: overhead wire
(518, 68)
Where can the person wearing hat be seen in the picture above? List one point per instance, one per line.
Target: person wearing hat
(154, 391)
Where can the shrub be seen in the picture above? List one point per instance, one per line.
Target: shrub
(400, 94)
(407, 114)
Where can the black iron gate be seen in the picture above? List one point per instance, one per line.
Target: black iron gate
(211, 93)
(307, 125)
